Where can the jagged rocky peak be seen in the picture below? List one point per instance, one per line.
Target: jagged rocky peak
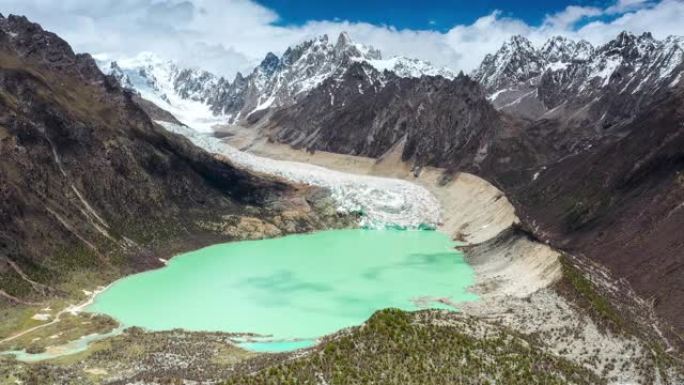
(348, 48)
(281, 82)
(321, 51)
(630, 46)
(118, 73)
(560, 49)
(639, 62)
(194, 84)
(278, 82)
(269, 65)
(528, 82)
(516, 61)
(519, 61)
(343, 39)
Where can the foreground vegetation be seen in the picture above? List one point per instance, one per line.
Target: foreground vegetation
(396, 347)
(393, 347)
(147, 357)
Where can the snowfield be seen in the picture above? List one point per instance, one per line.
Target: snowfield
(384, 202)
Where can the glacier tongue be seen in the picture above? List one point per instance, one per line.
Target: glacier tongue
(384, 202)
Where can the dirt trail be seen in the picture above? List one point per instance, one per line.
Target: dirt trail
(72, 309)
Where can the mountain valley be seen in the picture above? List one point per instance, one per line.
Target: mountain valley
(555, 170)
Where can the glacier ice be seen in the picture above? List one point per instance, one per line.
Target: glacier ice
(383, 202)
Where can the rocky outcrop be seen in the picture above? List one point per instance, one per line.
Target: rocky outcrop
(90, 185)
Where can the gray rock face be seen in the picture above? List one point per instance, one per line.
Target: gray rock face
(281, 82)
(517, 61)
(366, 113)
(559, 49)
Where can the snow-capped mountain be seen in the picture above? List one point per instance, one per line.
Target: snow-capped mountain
(180, 91)
(529, 81)
(627, 65)
(278, 82)
(562, 51)
(282, 81)
(516, 62)
(199, 98)
(434, 120)
(410, 68)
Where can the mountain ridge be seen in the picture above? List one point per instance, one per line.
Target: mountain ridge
(529, 82)
(276, 82)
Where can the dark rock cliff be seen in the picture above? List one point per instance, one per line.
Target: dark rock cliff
(367, 113)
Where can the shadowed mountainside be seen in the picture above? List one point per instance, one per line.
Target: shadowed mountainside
(436, 119)
(91, 187)
(621, 204)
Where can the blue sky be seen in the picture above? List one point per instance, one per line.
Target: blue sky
(226, 36)
(440, 15)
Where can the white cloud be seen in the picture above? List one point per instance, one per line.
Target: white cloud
(225, 36)
(627, 5)
(570, 16)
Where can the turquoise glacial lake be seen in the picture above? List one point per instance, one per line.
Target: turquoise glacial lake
(298, 287)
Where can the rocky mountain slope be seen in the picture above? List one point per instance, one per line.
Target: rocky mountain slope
(91, 188)
(621, 204)
(365, 112)
(604, 181)
(556, 101)
(275, 83)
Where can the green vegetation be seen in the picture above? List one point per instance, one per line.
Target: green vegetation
(135, 356)
(16, 318)
(69, 328)
(600, 308)
(12, 283)
(396, 347)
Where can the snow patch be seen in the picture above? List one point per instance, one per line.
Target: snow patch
(557, 66)
(409, 68)
(496, 94)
